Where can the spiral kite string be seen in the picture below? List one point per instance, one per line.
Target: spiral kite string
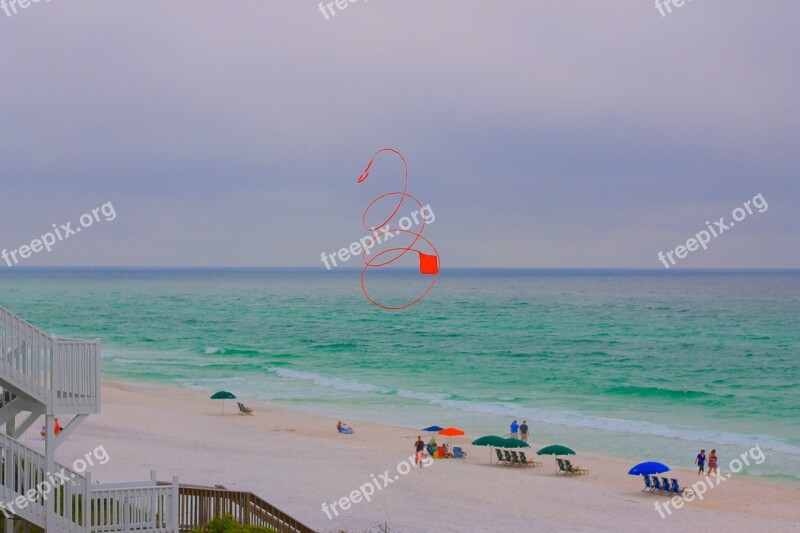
(384, 229)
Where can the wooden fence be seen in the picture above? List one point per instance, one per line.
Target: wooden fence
(199, 505)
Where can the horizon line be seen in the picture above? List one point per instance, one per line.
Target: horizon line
(358, 269)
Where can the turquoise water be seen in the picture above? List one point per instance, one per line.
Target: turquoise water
(644, 365)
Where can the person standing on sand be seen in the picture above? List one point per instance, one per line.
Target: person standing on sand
(514, 428)
(523, 431)
(419, 446)
(700, 461)
(712, 463)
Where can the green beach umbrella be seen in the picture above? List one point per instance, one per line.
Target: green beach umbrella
(490, 440)
(554, 450)
(514, 443)
(223, 395)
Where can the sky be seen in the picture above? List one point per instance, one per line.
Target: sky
(541, 133)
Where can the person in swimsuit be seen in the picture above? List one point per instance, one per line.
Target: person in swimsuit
(419, 446)
(712, 463)
(700, 461)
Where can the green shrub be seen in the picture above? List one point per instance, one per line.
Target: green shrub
(226, 524)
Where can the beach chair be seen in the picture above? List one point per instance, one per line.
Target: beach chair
(657, 485)
(647, 484)
(575, 469)
(666, 485)
(500, 458)
(515, 460)
(244, 410)
(676, 489)
(528, 462)
(509, 459)
(562, 468)
(458, 453)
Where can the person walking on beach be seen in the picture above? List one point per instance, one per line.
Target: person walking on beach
(514, 428)
(419, 446)
(712, 463)
(523, 431)
(700, 461)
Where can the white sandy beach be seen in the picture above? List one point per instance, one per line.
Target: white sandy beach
(298, 461)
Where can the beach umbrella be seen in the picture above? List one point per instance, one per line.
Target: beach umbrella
(489, 440)
(493, 441)
(435, 429)
(514, 443)
(648, 468)
(223, 395)
(451, 432)
(555, 450)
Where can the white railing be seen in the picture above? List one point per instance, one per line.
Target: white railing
(76, 369)
(24, 473)
(139, 506)
(27, 355)
(76, 504)
(64, 374)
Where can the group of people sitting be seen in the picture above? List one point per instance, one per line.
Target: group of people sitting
(440, 452)
(341, 427)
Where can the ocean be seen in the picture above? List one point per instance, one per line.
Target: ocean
(645, 365)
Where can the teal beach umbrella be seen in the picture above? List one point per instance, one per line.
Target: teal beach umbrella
(493, 441)
(514, 443)
(223, 395)
(555, 450)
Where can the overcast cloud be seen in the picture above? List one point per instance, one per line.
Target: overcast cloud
(542, 134)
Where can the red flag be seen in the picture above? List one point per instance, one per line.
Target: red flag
(428, 264)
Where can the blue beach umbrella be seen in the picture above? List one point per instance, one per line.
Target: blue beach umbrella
(647, 469)
(435, 429)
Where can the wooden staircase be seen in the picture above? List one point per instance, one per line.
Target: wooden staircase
(199, 505)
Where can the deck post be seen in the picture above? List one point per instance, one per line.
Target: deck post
(97, 385)
(9, 471)
(87, 500)
(154, 518)
(174, 513)
(50, 454)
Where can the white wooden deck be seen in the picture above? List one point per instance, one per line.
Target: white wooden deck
(46, 375)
